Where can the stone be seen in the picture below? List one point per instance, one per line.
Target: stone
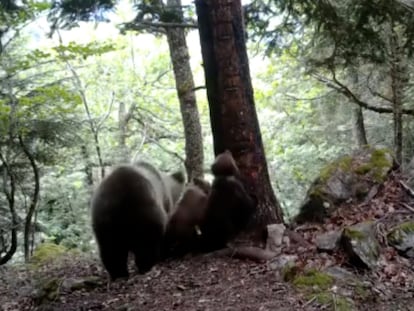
(73, 284)
(402, 238)
(328, 241)
(360, 243)
(349, 178)
(282, 261)
(275, 234)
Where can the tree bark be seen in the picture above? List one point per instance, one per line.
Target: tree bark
(87, 166)
(358, 127)
(14, 219)
(397, 86)
(123, 120)
(233, 116)
(92, 124)
(33, 201)
(186, 94)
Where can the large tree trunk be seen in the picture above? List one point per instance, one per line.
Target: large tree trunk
(186, 94)
(230, 94)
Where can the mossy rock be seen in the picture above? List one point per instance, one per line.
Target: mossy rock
(361, 245)
(350, 177)
(46, 290)
(402, 238)
(46, 252)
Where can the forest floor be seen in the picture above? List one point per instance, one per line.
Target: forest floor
(219, 282)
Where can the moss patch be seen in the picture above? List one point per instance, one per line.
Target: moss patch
(377, 166)
(344, 164)
(353, 234)
(399, 232)
(361, 291)
(46, 252)
(316, 285)
(46, 290)
(313, 278)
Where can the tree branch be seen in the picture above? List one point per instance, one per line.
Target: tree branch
(341, 88)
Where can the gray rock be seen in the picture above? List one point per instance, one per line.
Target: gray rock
(72, 284)
(360, 243)
(282, 261)
(328, 241)
(275, 237)
(351, 177)
(402, 238)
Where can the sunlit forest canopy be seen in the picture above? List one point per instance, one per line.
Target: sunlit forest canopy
(85, 85)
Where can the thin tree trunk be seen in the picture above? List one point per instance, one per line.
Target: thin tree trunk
(123, 119)
(358, 127)
(10, 195)
(93, 126)
(397, 96)
(186, 94)
(232, 111)
(33, 201)
(14, 220)
(87, 166)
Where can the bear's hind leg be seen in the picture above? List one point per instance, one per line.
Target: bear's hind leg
(114, 257)
(148, 252)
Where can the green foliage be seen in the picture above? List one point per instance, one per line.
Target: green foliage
(46, 252)
(304, 125)
(295, 130)
(74, 50)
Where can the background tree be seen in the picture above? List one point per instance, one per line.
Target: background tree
(29, 129)
(158, 18)
(373, 36)
(232, 112)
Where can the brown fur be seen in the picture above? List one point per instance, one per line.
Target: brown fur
(220, 210)
(229, 206)
(204, 185)
(181, 233)
(129, 214)
(225, 165)
(229, 210)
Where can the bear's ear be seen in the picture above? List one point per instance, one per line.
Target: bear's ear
(179, 177)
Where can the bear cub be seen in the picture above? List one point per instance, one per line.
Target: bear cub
(183, 228)
(207, 216)
(229, 206)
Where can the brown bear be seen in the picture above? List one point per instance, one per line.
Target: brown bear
(225, 165)
(129, 214)
(229, 206)
(184, 222)
(207, 217)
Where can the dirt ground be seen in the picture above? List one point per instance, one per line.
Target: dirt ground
(205, 282)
